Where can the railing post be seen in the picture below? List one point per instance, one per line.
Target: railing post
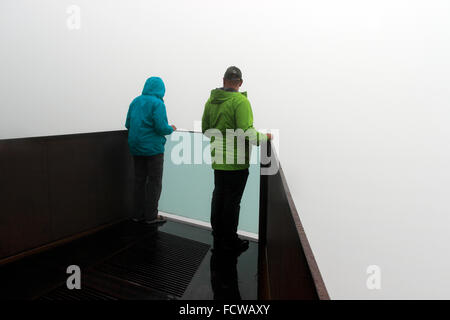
(263, 289)
(263, 192)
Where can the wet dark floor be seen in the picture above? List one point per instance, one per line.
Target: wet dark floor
(135, 261)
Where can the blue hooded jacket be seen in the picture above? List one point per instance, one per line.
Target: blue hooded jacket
(147, 120)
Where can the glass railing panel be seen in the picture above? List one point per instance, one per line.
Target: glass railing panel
(188, 181)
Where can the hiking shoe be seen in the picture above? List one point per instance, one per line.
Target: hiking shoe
(237, 247)
(158, 219)
(241, 245)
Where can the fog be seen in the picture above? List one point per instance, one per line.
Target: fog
(358, 91)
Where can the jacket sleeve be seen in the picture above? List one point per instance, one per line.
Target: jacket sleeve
(127, 122)
(160, 120)
(205, 118)
(244, 121)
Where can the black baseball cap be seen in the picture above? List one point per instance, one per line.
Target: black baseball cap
(233, 73)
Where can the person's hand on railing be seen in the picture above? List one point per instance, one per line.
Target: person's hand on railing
(173, 127)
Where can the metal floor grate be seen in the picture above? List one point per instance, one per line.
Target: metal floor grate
(85, 293)
(163, 262)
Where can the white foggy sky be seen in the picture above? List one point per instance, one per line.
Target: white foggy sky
(358, 91)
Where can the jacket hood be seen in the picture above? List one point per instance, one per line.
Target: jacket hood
(154, 86)
(219, 95)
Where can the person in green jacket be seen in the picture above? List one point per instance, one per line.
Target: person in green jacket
(228, 121)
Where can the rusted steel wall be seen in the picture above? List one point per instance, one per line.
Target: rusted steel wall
(287, 267)
(55, 187)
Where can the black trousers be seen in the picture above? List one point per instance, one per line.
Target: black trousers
(148, 172)
(226, 203)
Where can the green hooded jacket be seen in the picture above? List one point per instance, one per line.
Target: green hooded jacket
(228, 121)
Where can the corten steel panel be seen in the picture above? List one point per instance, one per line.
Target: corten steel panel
(289, 273)
(24, 215)
(58, 186)
(88, 180)
(287, 265)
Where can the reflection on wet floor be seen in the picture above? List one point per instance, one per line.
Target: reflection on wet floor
(219, 276)
(224, 275)
(135, 261)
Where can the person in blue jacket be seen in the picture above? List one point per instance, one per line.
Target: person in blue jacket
(147, 127)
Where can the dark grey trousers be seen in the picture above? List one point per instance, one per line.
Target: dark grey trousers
(148, 172)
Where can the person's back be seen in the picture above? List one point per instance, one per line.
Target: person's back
(147, 120)
(229, 111)
(147, 126)
(228, 117)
